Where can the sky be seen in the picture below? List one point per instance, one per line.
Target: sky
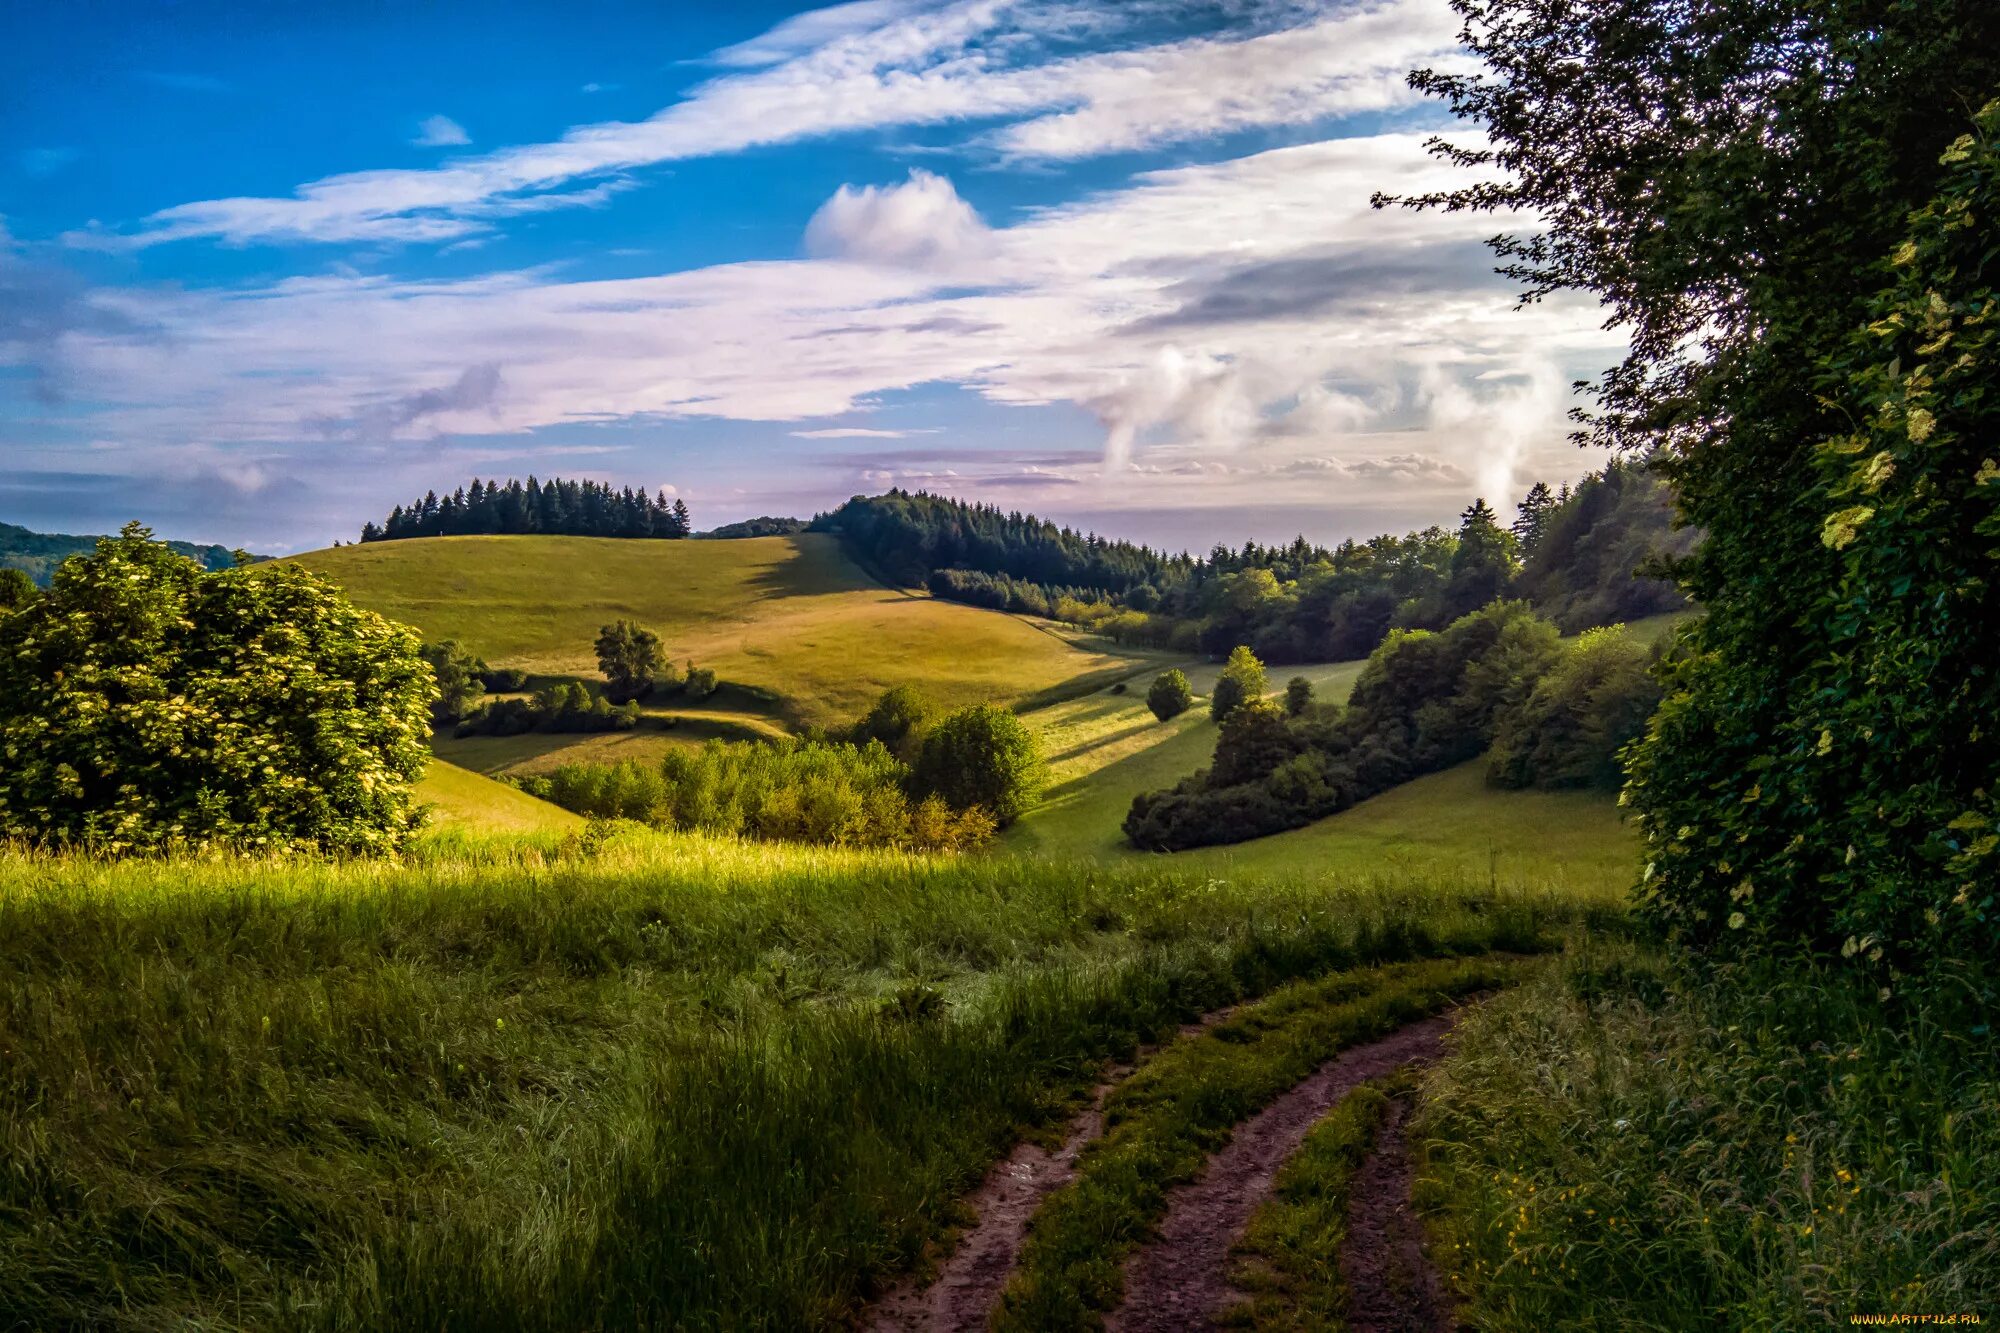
(267, 270)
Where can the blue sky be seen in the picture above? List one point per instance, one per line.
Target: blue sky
(267, 270)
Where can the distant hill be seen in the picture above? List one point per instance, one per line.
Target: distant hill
(38, 553)
(794, 619)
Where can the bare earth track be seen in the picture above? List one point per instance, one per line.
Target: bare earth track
(1181, 1281)
(1391, 1286)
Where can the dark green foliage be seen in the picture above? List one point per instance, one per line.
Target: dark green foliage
(1241, 681)
(37, 554)
(1582, 714)
(699, 683)
(898, 721)
(1592, 546)
(632, 660)
(16, 589)
(1170, 695)
(984, 757)
(1531, 517)
(556, 507)
(1298, 695)
(1426, 700)
(460, 680)
(504, 680)
(756, 527)
(562, 707)
(145, 704)
(828, 793)
(1738, 183)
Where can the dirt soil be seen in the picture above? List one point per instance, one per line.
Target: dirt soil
(967, 1287)
(1391, 1285)
(1180, 1281)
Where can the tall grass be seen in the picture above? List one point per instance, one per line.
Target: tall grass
(1622, 1145)
(583, 1082)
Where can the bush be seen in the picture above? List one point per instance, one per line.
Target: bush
(1298, 695)
(1170, 695)
(985, 757)
(1242, 680)
(566, 706)
(16, 590)
(898, 720)
(829, 793)
(459, 680)
(699, 683)
(145, 703)
(505, 680)
(1570, 731)
(631, 659)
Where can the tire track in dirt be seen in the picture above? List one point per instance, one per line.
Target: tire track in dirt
(1180, 1281)
(967, 1287)
(1391, 1285)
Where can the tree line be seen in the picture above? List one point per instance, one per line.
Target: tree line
(558, 507)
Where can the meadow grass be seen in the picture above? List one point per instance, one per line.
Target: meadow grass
(459, 799)
(1179, 1107)
(1627, 1144)
(792, 616)
(597, 1080)
(1290, 1250)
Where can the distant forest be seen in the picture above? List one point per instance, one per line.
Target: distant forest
(556, 507)
(1578, 554)
(37, 554)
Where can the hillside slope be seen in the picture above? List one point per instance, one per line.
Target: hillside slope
(789, 615)
(459, 799)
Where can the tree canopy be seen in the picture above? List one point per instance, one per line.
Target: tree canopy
(555, 506)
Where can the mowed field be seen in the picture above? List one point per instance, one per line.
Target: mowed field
(791, 616)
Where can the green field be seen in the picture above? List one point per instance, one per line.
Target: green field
(1106, 748)
(467, 801)
(791, 616)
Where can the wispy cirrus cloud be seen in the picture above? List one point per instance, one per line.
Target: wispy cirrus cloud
(884, 63)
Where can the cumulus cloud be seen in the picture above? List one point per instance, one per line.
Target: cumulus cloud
(884, 63)
(440, 132)
(921, 223)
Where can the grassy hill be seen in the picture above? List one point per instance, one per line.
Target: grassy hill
(1106, 748)
(37, 554)
(792, 616)
(462, 800)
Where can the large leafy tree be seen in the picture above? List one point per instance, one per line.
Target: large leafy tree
(1734, 179)
(146, 704)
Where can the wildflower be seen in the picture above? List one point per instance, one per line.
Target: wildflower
(1736, 920)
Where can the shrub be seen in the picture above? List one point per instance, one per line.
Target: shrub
(898, 720)
(146, 703)
(566, 706)
(459, 680)
(16, 589)
(982, 756)
(1254, 741)
(505, 680)
(1570, 731)
(1242, 679)
(1170, 695)
(699, 683)
(631, 659)
(1298, 695)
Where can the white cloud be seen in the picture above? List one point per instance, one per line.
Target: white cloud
(882, 63)
(440, 132)
(851, 433)
(921, 223)
(1164, 307)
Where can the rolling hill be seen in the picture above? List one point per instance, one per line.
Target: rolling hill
(459, 799)
(790, 617)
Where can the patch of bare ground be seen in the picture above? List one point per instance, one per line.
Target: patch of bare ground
(1391, 1284)
(968, 1283)
(1180, 1281)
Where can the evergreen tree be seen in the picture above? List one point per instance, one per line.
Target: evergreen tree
(1533, 512)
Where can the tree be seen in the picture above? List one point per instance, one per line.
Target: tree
(898, 720)
(146, 704)
(1242, 680)
(460, 680)
(1483, 566)
(1170, 695)
(631, 659)
(1298, 695)
(1782, 205)
(16, 590)
(985, 757)
(683, 525)
(1529, 517)
(1253, 743)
